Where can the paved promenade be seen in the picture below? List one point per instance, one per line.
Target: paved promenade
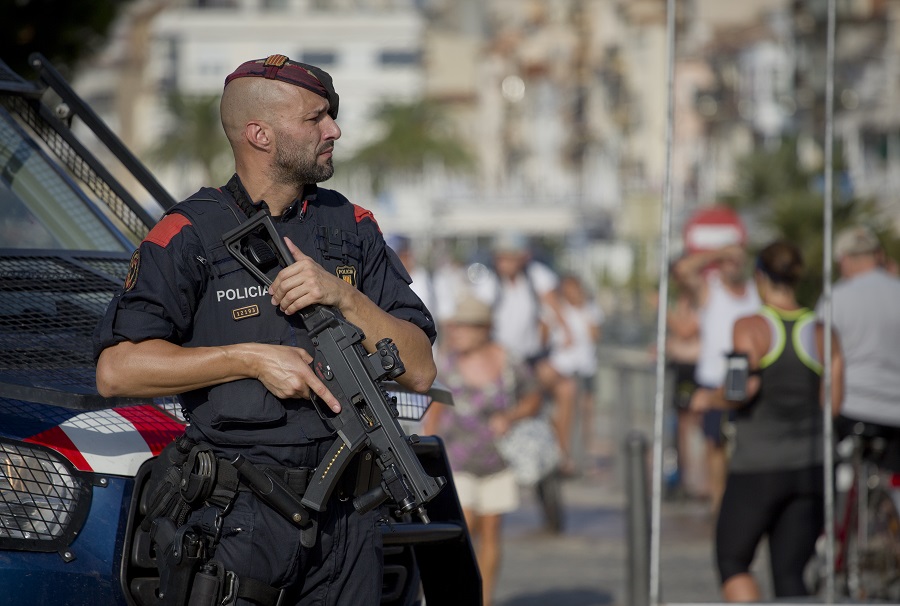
(586, 565)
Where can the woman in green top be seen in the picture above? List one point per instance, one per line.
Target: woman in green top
(775, 479)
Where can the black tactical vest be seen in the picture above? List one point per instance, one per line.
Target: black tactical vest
(234, 307)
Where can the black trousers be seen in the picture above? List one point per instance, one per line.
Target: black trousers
(343, 568)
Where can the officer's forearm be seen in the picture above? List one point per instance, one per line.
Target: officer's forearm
(412, 343)
(158, 368)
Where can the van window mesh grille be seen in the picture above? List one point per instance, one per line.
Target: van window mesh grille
(77, 165)
(43, 501)
(49, 307)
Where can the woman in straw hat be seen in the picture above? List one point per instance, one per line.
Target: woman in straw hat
(491, 392)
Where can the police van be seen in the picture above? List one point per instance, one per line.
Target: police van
(74, 465)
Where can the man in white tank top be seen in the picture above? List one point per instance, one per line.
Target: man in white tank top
(724, 293)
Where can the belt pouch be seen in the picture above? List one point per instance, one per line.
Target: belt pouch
(207, 587)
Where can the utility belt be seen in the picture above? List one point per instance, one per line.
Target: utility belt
(189, 476)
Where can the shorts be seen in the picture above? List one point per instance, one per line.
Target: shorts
(536, 358)
(783, 505)
(714, 425)
(487, 495)
(586, 383)
(683, 378)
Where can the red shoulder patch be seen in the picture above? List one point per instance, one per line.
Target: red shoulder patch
(163, 232)
(361, 213)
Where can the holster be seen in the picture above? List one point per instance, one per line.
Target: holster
(183, 558)
(188, 475)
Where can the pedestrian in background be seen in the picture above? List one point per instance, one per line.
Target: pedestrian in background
(521, 292)
(865, 314)
(449, 281)
(718, 283)
(422, 283)
(573, 353)
(491, 392)
(775, 486)
(682, 352)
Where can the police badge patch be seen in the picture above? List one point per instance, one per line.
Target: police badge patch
(131, 278)
(347, 273)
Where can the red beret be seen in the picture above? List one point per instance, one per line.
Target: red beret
(279, 67)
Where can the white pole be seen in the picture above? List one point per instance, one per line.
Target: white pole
(665, 237)
(826, 298)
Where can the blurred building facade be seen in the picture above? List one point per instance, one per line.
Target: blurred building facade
(562, 102)
(372, 49)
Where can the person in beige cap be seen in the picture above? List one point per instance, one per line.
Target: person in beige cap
(523, 294)
(491, 391)
(866, 316)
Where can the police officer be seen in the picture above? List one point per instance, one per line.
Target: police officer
(191, 321)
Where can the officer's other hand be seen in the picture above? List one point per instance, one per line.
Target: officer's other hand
(286, 372)
(304, 283)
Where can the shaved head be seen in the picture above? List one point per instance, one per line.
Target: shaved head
(248, 99)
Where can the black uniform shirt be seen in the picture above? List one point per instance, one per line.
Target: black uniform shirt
(185, 288)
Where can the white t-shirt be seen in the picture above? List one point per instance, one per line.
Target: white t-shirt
(517, 308)
(717, 319)
(866, 316)
(450, 283)
(423, 287)
(580, 356)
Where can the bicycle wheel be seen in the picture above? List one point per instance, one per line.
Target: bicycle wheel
(879, 556)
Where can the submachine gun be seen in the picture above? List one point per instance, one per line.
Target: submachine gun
(368, 416)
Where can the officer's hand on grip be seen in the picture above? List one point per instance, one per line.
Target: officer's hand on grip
(305, 282)
(286, 372)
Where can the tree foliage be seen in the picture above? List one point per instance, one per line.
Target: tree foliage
(194, 137)
(413, 135)
(63, 31)
(786, 198)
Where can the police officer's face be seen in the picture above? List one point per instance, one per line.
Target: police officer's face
(306, 137)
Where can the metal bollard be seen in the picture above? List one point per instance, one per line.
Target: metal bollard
(637, 519)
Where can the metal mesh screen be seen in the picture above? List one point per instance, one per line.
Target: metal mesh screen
(19, 418)
(49, 307)
(38, 494)
(77, 165)
(36, 181)
(111, 267)
(411, 406)
(171, 405)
